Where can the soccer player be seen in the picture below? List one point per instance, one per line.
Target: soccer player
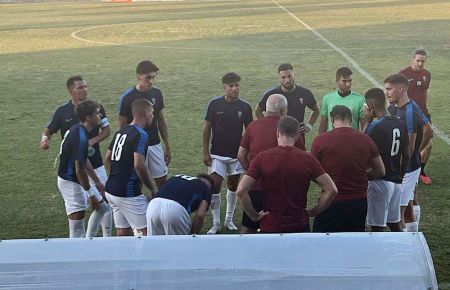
(74, 168)
(419, 81)
(419, 133)
(343, 96)
(157, 159)
(64, 118)
(259, 136)
(298, 98)
(285, 173)
(126, 159)
(226, 116)
(169, 211)
(391, 137)
(351, 158)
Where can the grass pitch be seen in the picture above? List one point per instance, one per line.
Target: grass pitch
(194, 43)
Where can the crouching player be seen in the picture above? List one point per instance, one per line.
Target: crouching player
(168, 213)
(126, 160)
(74, 168)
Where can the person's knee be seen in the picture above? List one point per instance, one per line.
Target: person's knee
(124, 231)
(79, 215)
(233, 181)
(217, 182)
(159, 181)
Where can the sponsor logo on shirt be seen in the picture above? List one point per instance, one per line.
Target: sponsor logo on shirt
(219, 114)
(67, 120)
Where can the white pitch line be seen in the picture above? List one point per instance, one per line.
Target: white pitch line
(368, 76)
(74, 34)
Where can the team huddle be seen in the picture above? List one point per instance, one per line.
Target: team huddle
(367, 158)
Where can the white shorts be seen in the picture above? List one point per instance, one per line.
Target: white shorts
(75, 197)
(155, 161)
(225, 166)
(101, 174)
(129, 211)
(167, 217)
(408, 186)
(383, 203)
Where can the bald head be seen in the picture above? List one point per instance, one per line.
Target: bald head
(276, 105)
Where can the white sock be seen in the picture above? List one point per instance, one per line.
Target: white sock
(76, 228)
(412, 227)
(107, 223)
(215, 208)
(95, 220)
(416, 210)
(231, 206)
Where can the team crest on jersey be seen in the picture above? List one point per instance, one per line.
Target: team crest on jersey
(424, 78)
(239, 114)
(153, 100)
(301, 100)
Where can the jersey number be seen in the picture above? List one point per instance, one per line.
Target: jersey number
(187, 177)
(395, 142)
(117, 148)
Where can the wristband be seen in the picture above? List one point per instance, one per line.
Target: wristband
(93, 192)
(44, 138)
(309, 126)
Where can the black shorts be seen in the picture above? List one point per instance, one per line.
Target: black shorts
(305, 229)
(347, 216)
(256, 198)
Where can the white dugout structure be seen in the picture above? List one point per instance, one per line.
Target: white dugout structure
(288, 261)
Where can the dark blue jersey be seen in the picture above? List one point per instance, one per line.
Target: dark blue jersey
(65, 117)
(391, 137)
(123, 180)
(297, 100)
(186, 190)
(228, 120)
(414, 120)
(74, 146)
(155, 97)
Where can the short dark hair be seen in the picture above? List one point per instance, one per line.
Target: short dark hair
(140, 105)
(207, 177)
(86, 108)
(288, 126)
(285, 67)
(377, 96)
(421, 51)
(72, 80)
(343, 72)
(341, 112)
(145, 67)
(230, 78)
(397, 79)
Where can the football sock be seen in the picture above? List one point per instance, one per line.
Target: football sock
(416, 210)
(95, 220)
(231, 206)
(76, 228)
(107, 223)
(412, 227)
(215, 212)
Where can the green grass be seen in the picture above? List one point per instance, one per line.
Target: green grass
(194, 44)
